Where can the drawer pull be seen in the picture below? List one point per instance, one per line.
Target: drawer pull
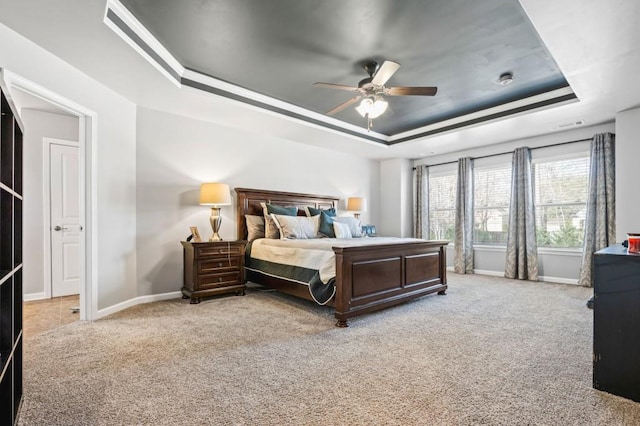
(219, 264)
(219, 279)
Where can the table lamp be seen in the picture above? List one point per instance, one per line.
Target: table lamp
(215, 195)
(357, 205)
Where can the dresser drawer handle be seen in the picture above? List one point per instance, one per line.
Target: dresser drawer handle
(219, 264)
(219, 279)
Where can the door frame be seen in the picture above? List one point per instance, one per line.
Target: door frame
(46, 203)
(87, 146)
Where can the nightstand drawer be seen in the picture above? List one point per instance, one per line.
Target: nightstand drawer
(219, 280)
(222, 264)
(218, 250)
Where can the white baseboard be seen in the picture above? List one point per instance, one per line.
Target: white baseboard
(491, 273)
(34, 296)
(573, 281)
(137, 301)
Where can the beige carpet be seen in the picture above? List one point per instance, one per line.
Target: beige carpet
(492, 351)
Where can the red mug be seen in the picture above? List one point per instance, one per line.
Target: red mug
(634, 243)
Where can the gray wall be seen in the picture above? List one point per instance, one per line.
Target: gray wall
(175, 154)
(627, 172)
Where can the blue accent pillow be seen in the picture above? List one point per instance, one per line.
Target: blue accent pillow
(326, 225)
(312, 211)
(285, 211)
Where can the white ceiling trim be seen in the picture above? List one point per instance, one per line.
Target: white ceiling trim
(549, 99)
(214, 83)
(132, 23)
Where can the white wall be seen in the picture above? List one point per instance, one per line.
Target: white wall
(556, 265)
(627, 166)
(112, 162)
(175, 154)
(38, 125)
(396, 195)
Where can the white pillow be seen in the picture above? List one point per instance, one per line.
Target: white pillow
(352, 222)
(341, 230)
(297, 227)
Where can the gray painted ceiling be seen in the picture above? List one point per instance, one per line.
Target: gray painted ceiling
(281, 47)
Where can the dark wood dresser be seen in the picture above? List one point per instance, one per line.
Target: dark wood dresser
(616, 322)
(212, 268)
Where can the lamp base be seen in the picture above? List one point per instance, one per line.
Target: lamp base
(215, 237)
(215, 221)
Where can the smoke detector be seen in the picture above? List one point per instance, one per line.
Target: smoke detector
(505, 78)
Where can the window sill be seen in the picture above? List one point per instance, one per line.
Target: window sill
(487, 247)
(560, 251)
(543, 250)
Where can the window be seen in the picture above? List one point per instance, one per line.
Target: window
(442, 204)
(491, 198)
(560, 188)
(560, 181)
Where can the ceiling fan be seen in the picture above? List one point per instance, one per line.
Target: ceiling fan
(372, 89)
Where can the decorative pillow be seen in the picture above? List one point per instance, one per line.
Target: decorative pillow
(326, 225)
(312, 211)
(273, 209)
(341, 230)
(255, 226)
(297, 227)
(353, 223)
(270, 228)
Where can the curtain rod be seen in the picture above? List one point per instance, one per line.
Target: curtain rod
(509, 152)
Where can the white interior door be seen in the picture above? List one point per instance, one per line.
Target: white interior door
(65, 226)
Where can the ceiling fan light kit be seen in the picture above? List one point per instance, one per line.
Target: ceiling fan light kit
(372, 88)
(373, 108)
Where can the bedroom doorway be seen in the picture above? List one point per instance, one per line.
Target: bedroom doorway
(78, 247)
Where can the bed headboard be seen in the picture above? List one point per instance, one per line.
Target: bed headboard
(248, 202)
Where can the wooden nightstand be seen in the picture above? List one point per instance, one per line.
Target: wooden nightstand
(213, 268)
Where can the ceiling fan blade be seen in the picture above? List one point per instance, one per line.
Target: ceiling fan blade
(336, 86)
(407, 91)
(385, 72)
(344, 105)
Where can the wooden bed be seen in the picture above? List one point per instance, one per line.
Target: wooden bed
(368, 278)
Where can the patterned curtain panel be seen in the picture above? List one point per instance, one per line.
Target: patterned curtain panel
(522, 250)
(421, 210)
(463, 254)
(600, 223)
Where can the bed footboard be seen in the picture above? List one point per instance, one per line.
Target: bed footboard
(370, 278)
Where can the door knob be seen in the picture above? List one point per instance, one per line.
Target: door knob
(59, 228)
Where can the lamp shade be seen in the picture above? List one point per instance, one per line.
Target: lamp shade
(215, 194)
(357, 204)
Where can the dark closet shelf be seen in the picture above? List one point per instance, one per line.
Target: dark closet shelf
(10, 260)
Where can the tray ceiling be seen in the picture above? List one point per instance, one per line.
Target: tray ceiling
(268, 54)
